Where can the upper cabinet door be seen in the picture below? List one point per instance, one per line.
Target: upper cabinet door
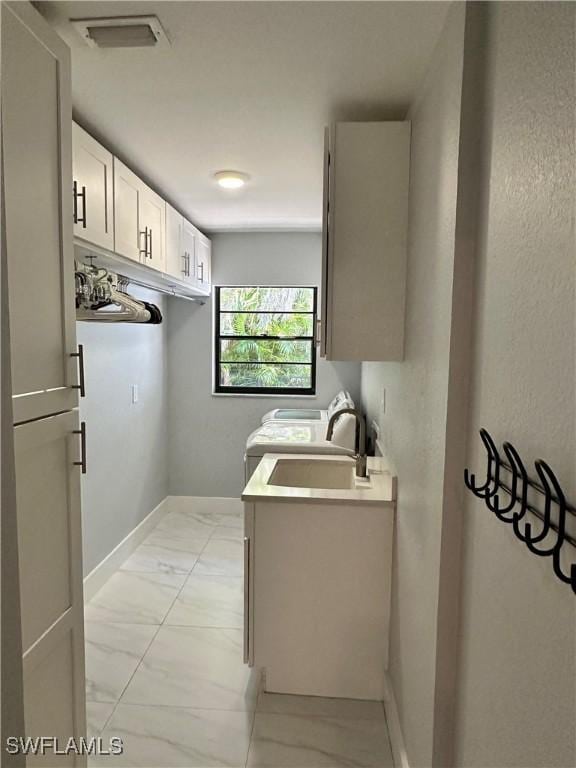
(152, 220)
(127, 190)
(203, 262)
(93, 184)
(365, 241)
(190, 251)
(37, 125)
(175, 261)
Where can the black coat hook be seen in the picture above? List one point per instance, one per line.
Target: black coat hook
(493, 488)
(490, 486)
(547, 476)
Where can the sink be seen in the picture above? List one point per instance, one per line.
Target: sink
(300, 473)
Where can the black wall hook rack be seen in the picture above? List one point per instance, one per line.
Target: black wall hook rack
(514, 497)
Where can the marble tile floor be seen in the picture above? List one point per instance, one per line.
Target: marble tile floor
(164, 663)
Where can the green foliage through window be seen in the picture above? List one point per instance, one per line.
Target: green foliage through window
(265, 339)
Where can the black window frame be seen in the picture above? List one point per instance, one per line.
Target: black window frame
(280, 391)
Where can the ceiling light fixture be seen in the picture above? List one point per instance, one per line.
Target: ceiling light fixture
(230, 179)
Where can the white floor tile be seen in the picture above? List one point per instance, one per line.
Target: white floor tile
(195, 667)
(179, 737)
(113, 651)
(161, 558)
(290, 741)
(317, 706)
(209, 601)
(135, 598)
(222, 557)
(180, 525)
(97, 714)
(227, 532)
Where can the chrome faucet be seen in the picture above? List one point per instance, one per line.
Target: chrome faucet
(361, 458)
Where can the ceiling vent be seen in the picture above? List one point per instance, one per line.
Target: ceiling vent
(122, 32)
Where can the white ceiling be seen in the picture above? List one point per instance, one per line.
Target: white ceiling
(246, 86)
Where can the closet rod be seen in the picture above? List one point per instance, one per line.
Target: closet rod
(197, 299)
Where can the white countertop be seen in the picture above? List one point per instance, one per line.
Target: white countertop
(380, 490)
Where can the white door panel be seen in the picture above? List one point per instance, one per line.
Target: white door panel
(37, 167)
(37, 122)
(152, 224)
(127, 186)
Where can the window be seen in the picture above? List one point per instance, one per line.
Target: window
(265, 340)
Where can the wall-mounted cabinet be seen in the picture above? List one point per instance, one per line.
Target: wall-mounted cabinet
(188, 252)
(152, 223)
(127, 189)
(92, 189)
(117, 212)
(203, 262)
(365, 221)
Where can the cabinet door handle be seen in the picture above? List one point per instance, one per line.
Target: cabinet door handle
(150, 241)
(76, 194)
(75, 202)
(81, 378)
(187, 265)
(185, 270)
(201, 268)
(82, 433)
(144, 250)
(246, 600)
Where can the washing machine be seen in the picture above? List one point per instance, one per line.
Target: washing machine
(342, 400)
(302, 437)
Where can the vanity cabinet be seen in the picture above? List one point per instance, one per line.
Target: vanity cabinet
(93, 201)
(317, 577)
(365, 219)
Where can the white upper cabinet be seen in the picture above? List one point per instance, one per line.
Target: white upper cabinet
(365, 224)
(127, 191)
(203, 262)
(175, 261)
(181, 237)
(190, 247)
(116, 210)
(92, 189)
(152, 222)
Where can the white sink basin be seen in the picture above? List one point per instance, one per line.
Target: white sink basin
(300, 473)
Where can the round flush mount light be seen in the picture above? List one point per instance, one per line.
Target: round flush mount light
(230, 179)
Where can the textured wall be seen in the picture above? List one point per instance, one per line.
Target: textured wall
(517, 702)
(413, 427)
(127, 450)
(208, 432)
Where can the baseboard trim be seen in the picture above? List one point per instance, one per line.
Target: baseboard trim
(99, 575)
(394, 727)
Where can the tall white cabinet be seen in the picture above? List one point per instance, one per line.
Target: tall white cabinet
(365, 224)
(37, 123)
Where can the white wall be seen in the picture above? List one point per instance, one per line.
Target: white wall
(207, 433)
(126, 443)
(492, 179)
(414, 425)
(517, 703)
